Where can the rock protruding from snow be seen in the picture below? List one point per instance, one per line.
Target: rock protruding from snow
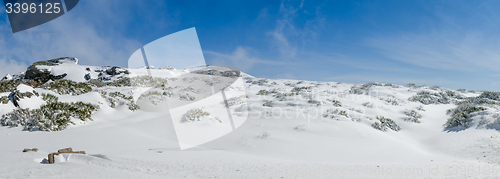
(6, 77)
(116, 71)
(42, 70)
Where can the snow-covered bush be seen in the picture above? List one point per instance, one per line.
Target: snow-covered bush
(117, 98)
(426, 98)
(267, 103)
(476, 100)
(189, 89)
(4, 99)
(385, 123)
(391, 100)
(122, 82)
(65, 86)
(283, 96)
(300, 128)
(53, 116)
(303, 88)
(234, 101)
(193, 115)
(331, 113)
(490, 95)
(461, 115)
(258, 81)
(420, 108)
(266, 92)
(149, 81)
(314, 101)
(186, 97)
(391, 85)
(335, 102)
(368, 105)
(364, 88)
(289, 84)
(435, 87)
(154, 97)
(10, 85)
(413, 85)
(356, 110)
(412, 116)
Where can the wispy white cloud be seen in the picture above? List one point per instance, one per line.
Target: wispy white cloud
(288, 36)
(444, 49)
(285, 28)
(11, 67)
(242, 57)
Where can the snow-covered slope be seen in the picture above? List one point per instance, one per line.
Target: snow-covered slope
(284, 128)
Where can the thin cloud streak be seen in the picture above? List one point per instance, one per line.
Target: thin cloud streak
(442, 50)
(241, 57)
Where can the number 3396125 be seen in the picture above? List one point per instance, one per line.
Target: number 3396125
(48, 8)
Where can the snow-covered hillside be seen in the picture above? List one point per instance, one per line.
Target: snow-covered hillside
(279, 128)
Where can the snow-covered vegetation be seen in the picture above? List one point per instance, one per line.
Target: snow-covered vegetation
(52, 116)
(194, 115)
(336, 120)
(384, 123)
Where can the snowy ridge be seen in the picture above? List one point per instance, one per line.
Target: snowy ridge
(295, 128)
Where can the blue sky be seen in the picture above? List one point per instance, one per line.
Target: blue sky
(454, 44)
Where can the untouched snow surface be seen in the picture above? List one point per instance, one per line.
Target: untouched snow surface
(296, 136)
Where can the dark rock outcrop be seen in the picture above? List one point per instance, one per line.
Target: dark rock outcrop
(44, 75)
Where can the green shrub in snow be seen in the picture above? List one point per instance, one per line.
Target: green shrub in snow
(364, 88)
(266, 92)
(331, 113)
(385, 123)
(267, 103)
(368, 105)
(335, 102)
(117, 98)
(65, 86)
(193, 115)
(461, 115)
(283, 96)
(490, 95)
(426, 98)
(234, 101)
(10, 85)
(413, 85)
(53, 116)
(412, 116)
(303, 88)
(122, 82)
